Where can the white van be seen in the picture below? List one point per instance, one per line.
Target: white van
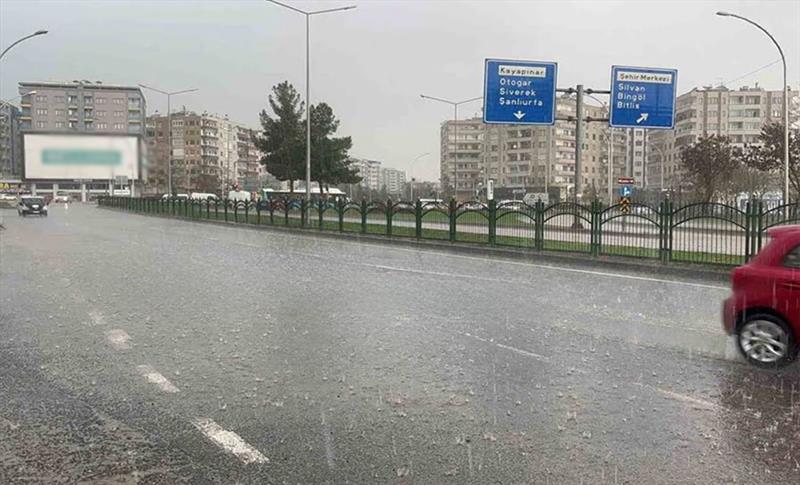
(203, 196)
(239, 196)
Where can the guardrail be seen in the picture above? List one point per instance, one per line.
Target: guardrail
(709, 233)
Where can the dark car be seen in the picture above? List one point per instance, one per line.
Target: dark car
(764, 310)
(31, 205)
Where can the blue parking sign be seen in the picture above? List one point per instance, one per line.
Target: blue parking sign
(643, 97)
(519, 92)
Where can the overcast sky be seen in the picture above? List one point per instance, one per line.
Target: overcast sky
(371, 64)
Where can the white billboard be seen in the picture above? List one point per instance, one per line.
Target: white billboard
(51, 156)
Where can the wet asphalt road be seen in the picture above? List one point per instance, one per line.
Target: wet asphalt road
(146, 350)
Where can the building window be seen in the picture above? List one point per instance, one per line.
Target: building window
(88, 100)
(117, 100)
(73, 124)
(89, 125)
(102, 126)
(100, 101)
(41, 124)
(119, 126)
(134, 102)
(41, 98)
(100, 114)
(72, 99)
(60, 124)
(41, 111)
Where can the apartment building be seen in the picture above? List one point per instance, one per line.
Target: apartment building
(394, 180)
(737, 114)
(81, 106)
(522, 159)
(209, 154)
(370, 173)
(10, 154)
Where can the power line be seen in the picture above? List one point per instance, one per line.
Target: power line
(752, 72)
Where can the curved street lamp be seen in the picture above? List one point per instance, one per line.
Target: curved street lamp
(785, 102)
(455, 105)
(38, 32)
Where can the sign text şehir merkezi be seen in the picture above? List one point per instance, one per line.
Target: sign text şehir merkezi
(643, 97)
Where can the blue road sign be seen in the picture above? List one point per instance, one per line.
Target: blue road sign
(519, 92)
(625, 191)
(643, 97)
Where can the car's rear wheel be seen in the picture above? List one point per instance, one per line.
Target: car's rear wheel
(766, 341)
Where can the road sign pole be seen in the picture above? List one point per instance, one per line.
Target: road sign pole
(578, 142)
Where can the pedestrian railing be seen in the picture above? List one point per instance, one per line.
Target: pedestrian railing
(709, 233)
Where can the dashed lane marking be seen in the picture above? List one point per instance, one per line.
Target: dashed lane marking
(229, 441)
(156, 378)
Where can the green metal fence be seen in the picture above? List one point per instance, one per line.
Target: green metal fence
(708, 233)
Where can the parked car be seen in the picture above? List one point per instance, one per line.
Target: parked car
(175, 197)
(203, 196)
(31, 205)
(62, 198)
(764, 310)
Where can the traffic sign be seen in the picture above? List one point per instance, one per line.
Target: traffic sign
(519, 92)
(625, 191)
(626, 180)
(625, 205)
(643, 97)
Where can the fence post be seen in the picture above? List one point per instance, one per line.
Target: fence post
(303, 211)
(595, 231)
(321, 206)
(286, 211)
(492, 221)
(748, 229)
(662, 231)
(418, 219)
(246, 211)
(225, 208)
(669, 215)
(363, 216)
(389, 217)
(758, 214)
(539, 226)
(340, 211)
(258, 213)
(452, 214)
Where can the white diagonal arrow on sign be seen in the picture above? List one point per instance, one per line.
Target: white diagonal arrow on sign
(642, 117)
(519, 115)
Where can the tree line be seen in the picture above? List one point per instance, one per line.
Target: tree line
(283, 141)
(716, 169)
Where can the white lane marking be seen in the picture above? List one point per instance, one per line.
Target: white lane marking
(688, 399)
(520, 263)
(97, 317)
(505, 347)
(330, 456)
(532, 265)
(229, 441)
(118, 339)
(155, 377)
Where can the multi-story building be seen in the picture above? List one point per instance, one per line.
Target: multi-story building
(10, 158)
(79, 107)
(393, 180)
(522, 159)
(635, 150)
(370, 173)
(737, 114)
(209, 154)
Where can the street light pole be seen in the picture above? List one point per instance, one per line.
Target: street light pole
(308, 83)
(610, 140)
(169, 96)
(785, 102)
(38, 32)
(455, 105)
(412, 176)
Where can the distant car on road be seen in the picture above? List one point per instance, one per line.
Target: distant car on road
(31, 205)
(62, 198)
(764, 309)
(203, 196)
(175, 197)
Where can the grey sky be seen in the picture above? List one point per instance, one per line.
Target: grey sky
(370, 64)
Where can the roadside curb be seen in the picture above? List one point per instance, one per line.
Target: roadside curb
(710, 273)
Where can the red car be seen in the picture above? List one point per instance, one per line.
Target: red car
(764, 310)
